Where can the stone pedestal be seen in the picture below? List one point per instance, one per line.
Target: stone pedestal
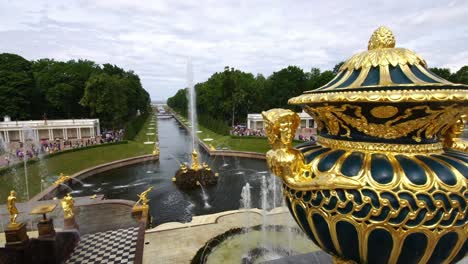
(140, 211)
(46, 228)
(70, 223)
(16, 236)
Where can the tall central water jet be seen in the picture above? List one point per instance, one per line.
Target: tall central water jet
(192, 105)
(199, 173)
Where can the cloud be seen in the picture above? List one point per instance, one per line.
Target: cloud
(155, 38)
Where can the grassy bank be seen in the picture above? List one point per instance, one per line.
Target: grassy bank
(72, 162)
(252, 144)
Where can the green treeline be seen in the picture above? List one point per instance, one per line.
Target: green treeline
(72, 89)
(227, 97)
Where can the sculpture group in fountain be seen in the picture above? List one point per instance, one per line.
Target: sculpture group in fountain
(187, 178)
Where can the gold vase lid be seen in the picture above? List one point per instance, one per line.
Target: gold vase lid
(385, 73)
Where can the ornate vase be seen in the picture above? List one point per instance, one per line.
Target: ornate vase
(386, 181)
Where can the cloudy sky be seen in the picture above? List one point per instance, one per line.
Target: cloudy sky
(155, 38)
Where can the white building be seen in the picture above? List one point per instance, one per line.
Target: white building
(255, 121)
(36, 130)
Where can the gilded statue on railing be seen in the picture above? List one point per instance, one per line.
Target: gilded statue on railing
(62, 179)
(68, 206)
(143, 198)
(12, 210)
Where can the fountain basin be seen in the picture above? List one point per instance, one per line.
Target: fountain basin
(246, 245)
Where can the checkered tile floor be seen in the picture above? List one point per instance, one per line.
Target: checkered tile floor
(111, 247)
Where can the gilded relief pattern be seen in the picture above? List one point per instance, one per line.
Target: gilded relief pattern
(435, 121)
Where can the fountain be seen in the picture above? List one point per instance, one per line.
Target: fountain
(196, 175)
(239, 245)
(192, 106)
(204, 196)
(28, 135)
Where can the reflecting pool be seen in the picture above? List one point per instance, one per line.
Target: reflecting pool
(167, 202)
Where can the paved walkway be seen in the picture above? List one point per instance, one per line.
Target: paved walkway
(178, 243)
(116, 246)
(92, 215)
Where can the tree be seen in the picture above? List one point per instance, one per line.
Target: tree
(17, 89)
(60, 97)
(284, 84)
(337, 67)
(444, 73)
(106, 98)
(461, 76)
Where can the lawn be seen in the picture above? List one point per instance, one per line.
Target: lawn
(252, 144)
(69, 163)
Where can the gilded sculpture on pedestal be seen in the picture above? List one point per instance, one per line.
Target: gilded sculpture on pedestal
(12, 210)
(62, 179)
(195, 164)
(143, 198)
(183, 167)
(68, 206)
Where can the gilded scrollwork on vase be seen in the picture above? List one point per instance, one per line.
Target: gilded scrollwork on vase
(391, 96)
(334, 119)
(375, 147)
(401, 214)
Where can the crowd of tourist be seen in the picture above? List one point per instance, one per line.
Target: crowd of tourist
(112, 135)
(18, 151)
(244, 131)
(303, 134)
(302, 137)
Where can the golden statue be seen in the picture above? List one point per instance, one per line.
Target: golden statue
(12, 208)
(205, 166)
(156, 151)
(143, 198)
(287, 162)
(62, 179)
(280, 127)
(195, 164)
(68, 205)
(183, 168)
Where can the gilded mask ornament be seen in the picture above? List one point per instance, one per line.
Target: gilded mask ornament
(387, 180)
